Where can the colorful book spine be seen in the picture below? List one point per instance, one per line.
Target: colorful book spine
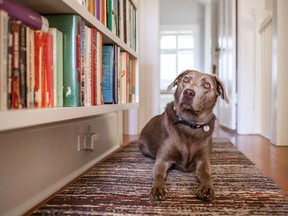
(99, 98)
(93, 65)
(70, 25)
(22, 66)
(107, 70)
(4, 21)
(15, 66)
(38, 51)
(24, 14)
(30, 67)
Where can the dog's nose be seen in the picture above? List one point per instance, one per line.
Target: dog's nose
(189, 93)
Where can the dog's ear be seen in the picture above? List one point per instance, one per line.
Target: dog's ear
(221, 89)
(177, 80)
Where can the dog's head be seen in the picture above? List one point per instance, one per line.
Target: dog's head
(197, 92)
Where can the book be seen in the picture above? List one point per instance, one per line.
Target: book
(4, 22)
(109, 15)
(15, 65)
(107, 73)
(93, 65)
(30, 67)
(57, 66)
(99, 97)
(22, 66)
(98, 9)
(124, 77)
(48, 70)
(38, 53)
(25, 15)
(9, 63)
(87, 68)
(70, 26)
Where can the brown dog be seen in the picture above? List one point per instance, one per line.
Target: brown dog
(182, 135)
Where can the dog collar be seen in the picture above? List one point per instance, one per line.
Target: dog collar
(183, 121)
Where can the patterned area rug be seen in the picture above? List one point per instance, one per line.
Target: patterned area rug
(120, 185)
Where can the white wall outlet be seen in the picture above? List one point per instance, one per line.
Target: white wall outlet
(81, 141)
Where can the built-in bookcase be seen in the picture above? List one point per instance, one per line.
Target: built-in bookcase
(20, 118)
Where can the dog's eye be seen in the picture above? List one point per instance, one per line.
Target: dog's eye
(207, 85)
(185, 79)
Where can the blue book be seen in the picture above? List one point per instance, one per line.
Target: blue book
(107, 73)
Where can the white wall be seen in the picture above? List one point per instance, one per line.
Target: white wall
(280, 75)
(149, 61)
(246, 65)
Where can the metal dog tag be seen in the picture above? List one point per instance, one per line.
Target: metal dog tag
(206, 128)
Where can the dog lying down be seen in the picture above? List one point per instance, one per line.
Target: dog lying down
(181, 137)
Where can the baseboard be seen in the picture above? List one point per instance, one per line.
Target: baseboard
(25, 207)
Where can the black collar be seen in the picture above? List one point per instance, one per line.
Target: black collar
(183, 121)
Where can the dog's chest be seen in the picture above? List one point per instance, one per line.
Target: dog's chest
(185, 161)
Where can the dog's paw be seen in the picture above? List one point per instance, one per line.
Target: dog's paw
(159, 192)
(206, 192)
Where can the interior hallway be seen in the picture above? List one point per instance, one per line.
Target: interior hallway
(272, 160)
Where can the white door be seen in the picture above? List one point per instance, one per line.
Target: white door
(227, 60)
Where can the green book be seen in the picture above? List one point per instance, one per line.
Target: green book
(70, 26)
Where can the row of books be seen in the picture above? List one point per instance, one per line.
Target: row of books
(60, 66)
(119, 16)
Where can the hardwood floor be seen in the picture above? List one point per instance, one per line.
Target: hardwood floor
(272, 160)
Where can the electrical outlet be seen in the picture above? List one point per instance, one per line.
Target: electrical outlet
(81, 142)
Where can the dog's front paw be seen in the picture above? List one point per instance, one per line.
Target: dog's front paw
(206, 192)
(159, 192)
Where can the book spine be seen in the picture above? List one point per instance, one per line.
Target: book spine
(107, 76)
(87, 66)
(99, 69)
(43, 74)
(26, 15)
(71, 26)
(98, 9)
(53, 33)
(93, 65)
(82, 57)
(15, 66)
(59, 72)
(38, 68)
(10, 61)
(49, 71)
(4, 21)
(30, 67)
(22, 65)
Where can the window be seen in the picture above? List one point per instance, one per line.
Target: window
(177, 53)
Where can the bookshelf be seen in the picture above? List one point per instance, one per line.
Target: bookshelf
(15, 119)
(40, 149)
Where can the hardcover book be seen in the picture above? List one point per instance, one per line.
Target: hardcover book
(25, 15)
(70, 26)
(107, 76)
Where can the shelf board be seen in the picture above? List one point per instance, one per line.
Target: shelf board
(73, 7)
(15, 119)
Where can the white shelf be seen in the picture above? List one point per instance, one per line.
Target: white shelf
(73, 7)
(15, 119)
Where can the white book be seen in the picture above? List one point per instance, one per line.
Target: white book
(30, 67)
(4, 18)
(53, 32)
(87, 67)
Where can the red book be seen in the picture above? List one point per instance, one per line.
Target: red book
(38, 50)
(15, 65)
(44, 71)
(93, 65)
(49, 70)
